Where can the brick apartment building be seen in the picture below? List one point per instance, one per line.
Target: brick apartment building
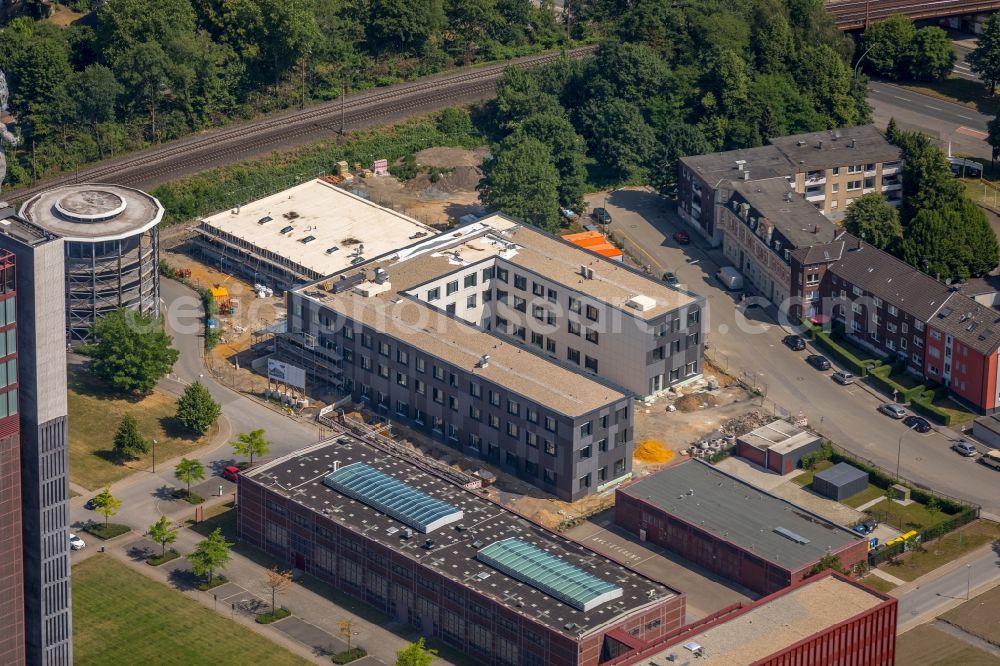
(898, 312)
(459, 568)
(33, 414)
(830, 169)
(503, 341)
(732, 528)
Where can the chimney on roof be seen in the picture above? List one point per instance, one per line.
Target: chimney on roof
(859, 244)
(838, 233)
(746, 175)
(800, 142)
(815, 229)
(740, 164)
(854, 143)
(820, 144)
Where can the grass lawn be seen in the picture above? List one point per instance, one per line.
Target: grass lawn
(947, 548)
(806, 477)
(927, 646)
(866, 495)
(913, 516)
(880, 584)
(94, 414)
(122, 617)
(109, 531)
(972, 94)
(958, 413)
(979, 616)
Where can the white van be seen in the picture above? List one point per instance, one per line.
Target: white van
(730, 278)
(991, 459)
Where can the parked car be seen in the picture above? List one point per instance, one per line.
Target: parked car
(76, 543)
(892, 409)
(682, 237)
(602, 216)
(230, 473)
(967, 449)
(843, 377)
(91, 504)
(730, 278)
(991, 459)
(794, 342)
(818, 362)
(917, 423)
(670, 278)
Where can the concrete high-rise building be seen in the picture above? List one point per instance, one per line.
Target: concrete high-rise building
(33, 409)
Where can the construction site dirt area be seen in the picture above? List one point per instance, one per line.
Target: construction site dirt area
(442, 192)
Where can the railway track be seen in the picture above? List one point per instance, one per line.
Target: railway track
(856, 14)
(218, 147)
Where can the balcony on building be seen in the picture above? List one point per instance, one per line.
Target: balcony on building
(816, 177)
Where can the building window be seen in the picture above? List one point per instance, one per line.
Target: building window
(574, 305)
(532, 415)
(494, 421)
(420, 365)
(692, 368)
(501, 274)
(693, 317)
(549, 476)
(494, 398)
(586, 452)
(450, 308)
(470, 280)
(573, 355)
(434, 294)
(520, 304)
(520, 282)
(475, 413)
(585, 481)
(419, 387)
(470, 301)
(550, 346)
(537, 339)
(512, 430)
(853, 185)
(918, 325)
(513, 408)
(591, 336)
(592, 313)
(366, 340)
(587, 429)
(550, 447)
(401, 379)
(550, 424)
(488, 273)
(590, 363)
(402, 356)
(602, 445)
(574, 328)
(453, 403)
(552, 295)
(475, 390)
(451, 288)
(537, 289)
(437, 395)
(531, 439)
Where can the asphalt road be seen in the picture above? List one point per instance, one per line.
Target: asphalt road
(751, 346)
(918, 604)
(145, 495)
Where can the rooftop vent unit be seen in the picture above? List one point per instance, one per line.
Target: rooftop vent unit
(587, 272)
(641, 303)
(265, 219)
(792, 536)
(287, 229)
(746, 175)
(331, 250)
(800, 143)
(477, 544)
(407, 533)
(348, 282)
(740, 164)
(381, 275)
(819, 145)
(307, 240)
(484, 361)
(428, 544)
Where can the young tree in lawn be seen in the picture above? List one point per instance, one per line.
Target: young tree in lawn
(131, 351)
(872, 219)
(107, 504)
(276, 581)
(984, 60)
(210, 554)
(251, 444)
(129, 442)
(415, 654)
(163, 532)
(188, 470)
(196, 409)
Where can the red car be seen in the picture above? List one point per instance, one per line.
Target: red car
(230, 473)
(682, 237)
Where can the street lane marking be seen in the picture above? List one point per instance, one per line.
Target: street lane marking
(932, 107)
(968, 131)
(902, 98)
(966, 117)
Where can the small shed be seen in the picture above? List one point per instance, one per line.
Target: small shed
(777, 446)
(987, 430)
(840, 481)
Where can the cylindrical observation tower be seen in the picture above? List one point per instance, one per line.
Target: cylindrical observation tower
(112, 249)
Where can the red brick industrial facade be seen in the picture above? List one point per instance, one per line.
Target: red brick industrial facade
(477, 625)
(714, 553)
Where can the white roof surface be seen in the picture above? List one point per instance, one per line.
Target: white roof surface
(327, 213)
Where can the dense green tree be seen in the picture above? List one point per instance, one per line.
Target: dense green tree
(143, 70)
(210, 555)
(129, 442)
(632, 72)
(619, 138)
(107, 504)
(197, 410)
(927, 179)
(951, 242)
(772, 40)
(676, 142)
(163, 532)
(729, 82)
(519, 95)
(931, 55)
(131, 352)
(251, 444)
(888, 44)
(189, 470)
(522, 181)
(123, 24)
(993, 136)
(874, 220)
(568, 153)
(404, 25)
(93, 94)
(415, 654)
(984, 60)
(35, 59)
(824, 77)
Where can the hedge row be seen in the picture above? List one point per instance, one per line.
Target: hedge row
(881, 376)
(924, 403)
(825, 339)
(964, 517)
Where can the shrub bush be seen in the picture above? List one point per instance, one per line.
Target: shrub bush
(207, 585)
(189, 497)
(157, 560)
(347, 656)
(882, 377)
(269, 617)
(826, 340)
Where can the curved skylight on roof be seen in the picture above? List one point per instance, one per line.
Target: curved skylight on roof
(550, 574)
(392, 497)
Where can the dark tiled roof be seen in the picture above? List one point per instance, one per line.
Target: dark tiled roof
(760, 162)
(849, 145)
(798, 220)
(972, 324)
(820, 254)
(895, 282)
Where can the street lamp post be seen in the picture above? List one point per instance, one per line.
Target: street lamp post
(968, 580)
(858, 63)
(899, 450)
(154, 456)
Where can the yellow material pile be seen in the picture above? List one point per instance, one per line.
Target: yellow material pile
(653, 451)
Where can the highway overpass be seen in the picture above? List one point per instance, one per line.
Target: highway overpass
(856, 14)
